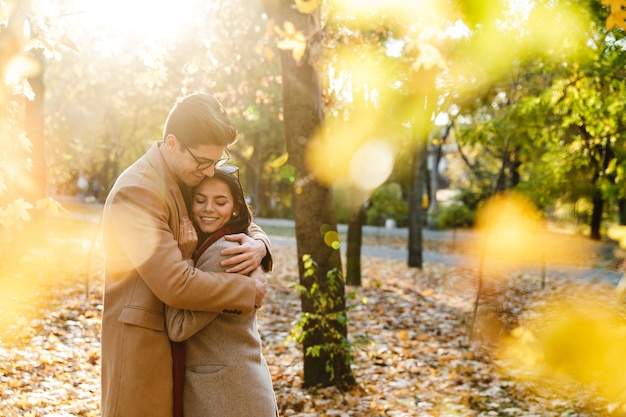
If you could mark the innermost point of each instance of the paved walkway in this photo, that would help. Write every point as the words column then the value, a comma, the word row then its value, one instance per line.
column 594, row 274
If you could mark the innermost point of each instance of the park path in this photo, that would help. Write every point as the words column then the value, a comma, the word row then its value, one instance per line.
column 600, row 272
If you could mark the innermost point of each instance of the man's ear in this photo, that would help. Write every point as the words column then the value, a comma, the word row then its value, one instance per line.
column 171, row 142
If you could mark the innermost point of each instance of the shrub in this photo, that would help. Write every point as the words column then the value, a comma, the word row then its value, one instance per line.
column 387, row 202
column 455, row 215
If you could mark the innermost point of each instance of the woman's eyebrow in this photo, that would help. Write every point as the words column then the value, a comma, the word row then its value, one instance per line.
column 198, row 194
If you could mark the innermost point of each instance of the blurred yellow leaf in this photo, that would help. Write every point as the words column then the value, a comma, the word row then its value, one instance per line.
column 428, row 58
column 278, row 162
column 15, row 214
column 574, row 341
column 291, row 40
column 50, row 204
column 617, row 15
column 269, row 53
column 618, row 233
column 306, row 6
column 69, row 43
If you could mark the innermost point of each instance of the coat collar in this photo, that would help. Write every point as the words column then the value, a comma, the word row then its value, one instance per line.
column 157, row 161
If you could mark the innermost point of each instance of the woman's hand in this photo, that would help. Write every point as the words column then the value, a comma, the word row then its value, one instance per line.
column 188, row 239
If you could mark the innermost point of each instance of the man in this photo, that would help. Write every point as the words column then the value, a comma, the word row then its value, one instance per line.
column 144, row 269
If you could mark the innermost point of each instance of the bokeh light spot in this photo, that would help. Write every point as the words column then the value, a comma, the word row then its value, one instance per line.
column 511, row 226
column 331, row 238
column 372, row 164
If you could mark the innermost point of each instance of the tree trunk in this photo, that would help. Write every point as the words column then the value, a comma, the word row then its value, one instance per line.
column 355, row 240
column 435, row 158
column 34, row 114
column 516, row 178
column 621, row 204
column 501, row 181
column 416, row 208
column 422, row 125
column 254, row 170
column 314, row 214
column 596, row 214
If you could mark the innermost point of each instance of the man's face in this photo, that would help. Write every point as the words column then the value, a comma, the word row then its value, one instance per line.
column 184, row 162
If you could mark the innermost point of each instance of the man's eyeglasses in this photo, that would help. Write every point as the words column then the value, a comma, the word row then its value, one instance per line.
column 208, row 163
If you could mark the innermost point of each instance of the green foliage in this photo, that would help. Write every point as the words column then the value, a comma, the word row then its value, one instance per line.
column 454, row 215
column 324, row 319
column 387, row 202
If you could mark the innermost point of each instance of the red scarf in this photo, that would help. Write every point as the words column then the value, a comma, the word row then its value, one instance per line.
column 210, row 240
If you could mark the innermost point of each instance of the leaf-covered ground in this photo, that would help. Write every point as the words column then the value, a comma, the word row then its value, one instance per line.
column 419, row 359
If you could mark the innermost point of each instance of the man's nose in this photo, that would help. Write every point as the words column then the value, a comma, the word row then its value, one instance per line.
column 208, row 172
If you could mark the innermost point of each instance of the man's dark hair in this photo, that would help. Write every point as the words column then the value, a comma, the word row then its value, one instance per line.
column 200, row 119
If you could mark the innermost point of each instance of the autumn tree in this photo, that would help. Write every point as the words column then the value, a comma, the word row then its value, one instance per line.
column 23, row 195
column 313, row 205
column 101, row 126
column 550, row 125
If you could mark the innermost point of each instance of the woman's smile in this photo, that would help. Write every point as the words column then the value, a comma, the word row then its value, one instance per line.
column 213, row 205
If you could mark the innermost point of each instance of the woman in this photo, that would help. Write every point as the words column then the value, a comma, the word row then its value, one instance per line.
column 225, row 372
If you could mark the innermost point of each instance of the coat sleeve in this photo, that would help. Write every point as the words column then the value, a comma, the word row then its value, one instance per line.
column 139, row 236
column 255, row 232
column 182, row 324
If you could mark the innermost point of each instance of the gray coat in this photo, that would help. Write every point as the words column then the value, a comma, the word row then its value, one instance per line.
column 225, row 373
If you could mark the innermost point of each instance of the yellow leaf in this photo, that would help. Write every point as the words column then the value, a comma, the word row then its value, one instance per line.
column 428, row 58
column 617, row 15
column 279, row 162
column 291, row 40
column 618, row 233
column 15, row 214
column 269, row 53
column 306, row 6
column 403, row 335
column 50, row 204
column 298, row 52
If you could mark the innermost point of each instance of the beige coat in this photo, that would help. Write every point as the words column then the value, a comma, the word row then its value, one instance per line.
column 143, row 270
column 225, row 371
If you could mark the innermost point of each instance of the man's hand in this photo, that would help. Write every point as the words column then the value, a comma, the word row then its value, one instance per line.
column 246, row 257
column 188, row 239
column 262, row 287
